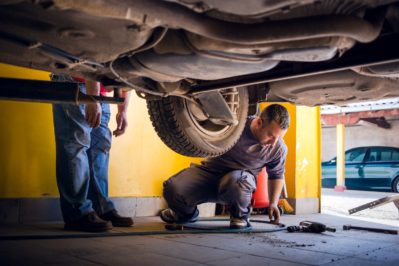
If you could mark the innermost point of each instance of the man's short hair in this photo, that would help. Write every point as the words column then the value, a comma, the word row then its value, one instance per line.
column 276, row 113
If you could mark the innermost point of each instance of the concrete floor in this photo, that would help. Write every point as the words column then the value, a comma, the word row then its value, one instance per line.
column 279, row 248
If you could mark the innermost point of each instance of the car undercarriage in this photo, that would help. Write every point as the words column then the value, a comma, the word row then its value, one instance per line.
column 202, row 66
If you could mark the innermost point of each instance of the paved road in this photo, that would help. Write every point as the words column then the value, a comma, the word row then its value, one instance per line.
column 338, row 203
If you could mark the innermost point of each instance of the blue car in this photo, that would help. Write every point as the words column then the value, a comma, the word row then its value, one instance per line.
column 366, row 168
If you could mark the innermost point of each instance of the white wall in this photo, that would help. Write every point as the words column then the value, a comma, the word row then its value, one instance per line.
column 364, row 134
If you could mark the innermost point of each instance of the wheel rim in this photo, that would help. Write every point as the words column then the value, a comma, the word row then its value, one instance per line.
column 397, row 186
column 206, row 126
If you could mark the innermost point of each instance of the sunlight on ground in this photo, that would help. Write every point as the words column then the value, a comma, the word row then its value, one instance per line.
column 338, row 204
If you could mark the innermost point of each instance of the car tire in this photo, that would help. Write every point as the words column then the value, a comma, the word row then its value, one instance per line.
column 175, row 123
column 395, row 185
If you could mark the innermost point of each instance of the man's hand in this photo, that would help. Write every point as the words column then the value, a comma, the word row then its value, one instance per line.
column 275, row 186
column 121, row 124
column 93, row 114
column 274, row 213
column 121, row 117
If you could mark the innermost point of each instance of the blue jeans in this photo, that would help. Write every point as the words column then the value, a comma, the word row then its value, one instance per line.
column 198, row 184
column 82, row 155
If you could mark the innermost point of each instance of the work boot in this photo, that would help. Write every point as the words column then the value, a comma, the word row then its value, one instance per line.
column 239, row 223
column 89, row 223
column 170, row 217
column 116, row 219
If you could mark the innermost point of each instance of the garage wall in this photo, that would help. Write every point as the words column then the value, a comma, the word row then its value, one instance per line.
column 139, row 160
column 27, row 162
column 364, row 134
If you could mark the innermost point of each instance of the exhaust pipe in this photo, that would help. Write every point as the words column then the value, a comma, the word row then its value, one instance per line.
column 153, row 13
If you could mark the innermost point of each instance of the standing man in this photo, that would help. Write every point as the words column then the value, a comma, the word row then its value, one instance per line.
column 83, row 141
column 231, row 177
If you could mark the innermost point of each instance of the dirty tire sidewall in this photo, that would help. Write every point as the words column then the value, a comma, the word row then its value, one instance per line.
column 175, row 126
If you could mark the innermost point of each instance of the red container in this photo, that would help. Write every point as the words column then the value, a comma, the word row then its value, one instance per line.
column 260, row 199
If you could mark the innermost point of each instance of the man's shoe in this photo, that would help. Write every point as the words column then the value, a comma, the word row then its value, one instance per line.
column 116, row 219
column 170, row 217
column 89, row 223
column 239, row 223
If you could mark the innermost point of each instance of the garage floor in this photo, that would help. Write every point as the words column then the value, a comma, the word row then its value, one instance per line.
column 279, row 248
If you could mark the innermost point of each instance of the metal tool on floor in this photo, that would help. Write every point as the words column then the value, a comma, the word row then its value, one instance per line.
column 377, row 203
column 310, row 227
column 371, row 229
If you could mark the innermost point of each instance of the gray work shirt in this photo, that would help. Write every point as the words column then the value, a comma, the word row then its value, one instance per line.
column 249, row 155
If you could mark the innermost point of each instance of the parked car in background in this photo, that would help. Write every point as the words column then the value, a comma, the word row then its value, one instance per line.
column 366, row 168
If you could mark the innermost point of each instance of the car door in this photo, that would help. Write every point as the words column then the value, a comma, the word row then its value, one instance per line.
column 329, row 173
column 380, row 168
column 353, row 167
column 354, row 163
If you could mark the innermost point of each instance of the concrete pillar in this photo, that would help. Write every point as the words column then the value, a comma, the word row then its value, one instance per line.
column 303, row 166
column 340, row 158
